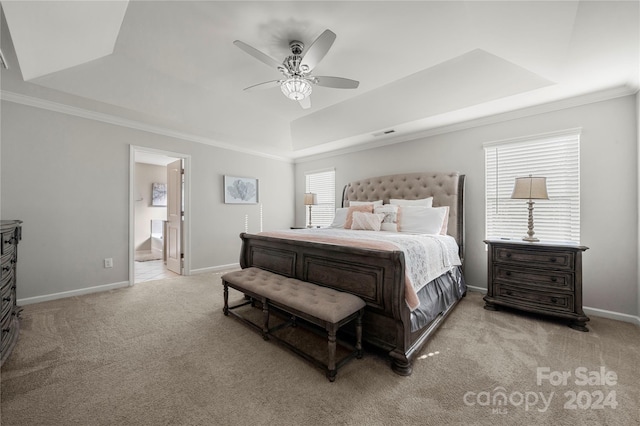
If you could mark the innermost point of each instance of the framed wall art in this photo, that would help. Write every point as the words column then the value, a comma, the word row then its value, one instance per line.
column 240, row 190
column 159, row 194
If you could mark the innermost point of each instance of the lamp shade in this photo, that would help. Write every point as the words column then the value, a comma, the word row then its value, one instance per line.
column 310, row 199
column 530, row 188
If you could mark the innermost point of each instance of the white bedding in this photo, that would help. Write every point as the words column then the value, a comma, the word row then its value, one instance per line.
column 426, row 256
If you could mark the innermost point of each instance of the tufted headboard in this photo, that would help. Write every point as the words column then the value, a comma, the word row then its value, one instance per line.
column 447, row 189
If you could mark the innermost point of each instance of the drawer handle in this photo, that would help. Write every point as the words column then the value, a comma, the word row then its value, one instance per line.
column 509, row 293
column 9, row 241
column 554, row 279
column 6, row 268
column 554, row 300
column 508, row 254
column 552, row 259
column 508, row 273
column 6, row 299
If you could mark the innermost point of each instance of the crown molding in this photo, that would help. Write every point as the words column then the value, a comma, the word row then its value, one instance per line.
column 557, row 105
column 123, row 122
column 332, row 149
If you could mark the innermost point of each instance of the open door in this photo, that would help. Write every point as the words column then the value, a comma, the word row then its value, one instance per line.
column 174, row 217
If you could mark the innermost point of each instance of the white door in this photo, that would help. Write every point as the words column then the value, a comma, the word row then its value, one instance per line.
column 174, row 217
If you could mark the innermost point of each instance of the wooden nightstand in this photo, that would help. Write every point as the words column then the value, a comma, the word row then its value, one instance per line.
column 544, row 278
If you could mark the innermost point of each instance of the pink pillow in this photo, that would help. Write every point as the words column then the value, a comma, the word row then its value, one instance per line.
column 445, row 221
column 365, row 208
column 367, row 221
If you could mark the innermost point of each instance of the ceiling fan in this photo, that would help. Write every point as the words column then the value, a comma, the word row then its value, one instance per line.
column 296, row 69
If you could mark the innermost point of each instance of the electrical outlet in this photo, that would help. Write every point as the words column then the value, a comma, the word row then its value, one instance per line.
column 108, row 263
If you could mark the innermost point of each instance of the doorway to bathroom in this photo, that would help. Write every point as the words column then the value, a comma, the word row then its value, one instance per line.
column 158, row 215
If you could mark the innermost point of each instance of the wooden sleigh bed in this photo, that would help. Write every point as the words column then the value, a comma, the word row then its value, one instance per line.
column 376, row 276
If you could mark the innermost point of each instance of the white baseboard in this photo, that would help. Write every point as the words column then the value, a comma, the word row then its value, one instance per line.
column 595, row 312
column 215, row 269
column 71, row 293
column 112, row 286
column 589, row 311
column 478, row 289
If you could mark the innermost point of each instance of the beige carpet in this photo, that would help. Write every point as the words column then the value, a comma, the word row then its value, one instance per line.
column 162, row 353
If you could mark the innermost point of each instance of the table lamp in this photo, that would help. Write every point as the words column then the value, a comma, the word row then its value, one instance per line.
column 310, row 199
column 530, row 188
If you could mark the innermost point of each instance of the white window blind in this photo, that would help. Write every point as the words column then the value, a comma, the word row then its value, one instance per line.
column 556, row 157
column 323, row 184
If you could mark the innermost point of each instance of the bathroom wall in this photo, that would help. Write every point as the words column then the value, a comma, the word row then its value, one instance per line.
column 146, row 175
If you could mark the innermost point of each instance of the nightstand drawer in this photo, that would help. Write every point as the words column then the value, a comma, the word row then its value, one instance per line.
column 545, row 258
column 533, row 278
column 536, row 299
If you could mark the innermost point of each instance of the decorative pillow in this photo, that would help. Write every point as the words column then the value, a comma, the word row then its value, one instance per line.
column 421, row 220
column 367, row 221
column 365, row 208
column 390, row 220
column 362, row 203
column 424, row 202
column 340, row 218
column 445, row 221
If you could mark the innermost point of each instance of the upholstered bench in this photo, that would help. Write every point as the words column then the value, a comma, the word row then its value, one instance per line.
column 322, row 306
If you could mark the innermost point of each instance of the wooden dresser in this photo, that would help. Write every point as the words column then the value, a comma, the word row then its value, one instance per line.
column 543, row 278
column 11, row 234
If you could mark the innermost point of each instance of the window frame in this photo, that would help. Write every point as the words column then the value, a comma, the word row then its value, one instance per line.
column 323, row 212
column 556, row 156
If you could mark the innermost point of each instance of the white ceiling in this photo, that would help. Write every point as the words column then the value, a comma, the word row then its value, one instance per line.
column 421, row 64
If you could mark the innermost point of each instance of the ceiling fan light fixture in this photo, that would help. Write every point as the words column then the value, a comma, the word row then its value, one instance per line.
column 296, row 88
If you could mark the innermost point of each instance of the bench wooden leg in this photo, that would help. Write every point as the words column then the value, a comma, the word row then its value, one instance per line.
column 225, row 310
column 359, row 334
column 331, row 365
column 265, row 319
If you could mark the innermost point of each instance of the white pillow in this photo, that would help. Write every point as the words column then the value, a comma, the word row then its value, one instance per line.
column 390, row 221
column 340, row 218
column 363, row 203
column 424, row 202
column 367, row 221
column 422, row 220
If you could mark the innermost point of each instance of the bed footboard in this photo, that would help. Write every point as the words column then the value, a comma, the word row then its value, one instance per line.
column 375, row 276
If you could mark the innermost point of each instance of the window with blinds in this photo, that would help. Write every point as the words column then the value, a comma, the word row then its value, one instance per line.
column 323, row 184
column 554, row 156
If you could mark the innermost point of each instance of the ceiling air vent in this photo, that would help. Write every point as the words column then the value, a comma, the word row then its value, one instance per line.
column 385, row 132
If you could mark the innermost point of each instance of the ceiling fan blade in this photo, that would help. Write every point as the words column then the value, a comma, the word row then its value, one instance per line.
column 265, row 85
column 305, row 103
column 257, row 54
column 336, row 82
column 317, row 50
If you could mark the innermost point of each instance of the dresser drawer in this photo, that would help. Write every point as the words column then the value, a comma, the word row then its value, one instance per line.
column 8, row 303
column 8, row 242
column 533, row 278
column 5, row 316
column 8, row 331
column 7, row 287
column 535, row 299
column 545, row 258
column 7, row 281
column 6, row 265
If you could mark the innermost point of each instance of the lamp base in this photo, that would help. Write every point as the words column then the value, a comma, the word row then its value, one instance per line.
column 530, row 239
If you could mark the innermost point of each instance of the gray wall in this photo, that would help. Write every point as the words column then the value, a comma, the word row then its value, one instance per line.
column 67, row 178
column 609, row 188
